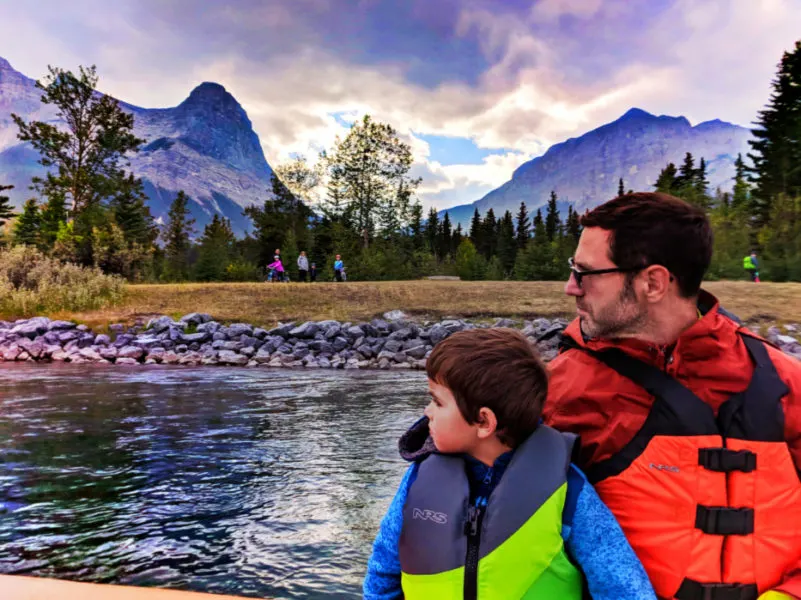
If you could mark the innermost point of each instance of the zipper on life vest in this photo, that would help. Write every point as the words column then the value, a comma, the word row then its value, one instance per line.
column 472, row 528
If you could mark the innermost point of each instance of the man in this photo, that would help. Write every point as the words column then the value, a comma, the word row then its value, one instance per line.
column 303, row 266
column 690, row 425
column 751, row 264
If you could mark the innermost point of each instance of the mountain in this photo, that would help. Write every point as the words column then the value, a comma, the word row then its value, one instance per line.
column 205, row 146
column 584, row 171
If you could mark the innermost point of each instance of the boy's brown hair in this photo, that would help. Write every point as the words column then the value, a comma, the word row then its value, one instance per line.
column 497, row 368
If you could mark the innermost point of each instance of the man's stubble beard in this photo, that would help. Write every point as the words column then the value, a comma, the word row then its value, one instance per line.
column 621, row 318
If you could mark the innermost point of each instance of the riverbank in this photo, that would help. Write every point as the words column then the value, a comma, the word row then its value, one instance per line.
column 395, row 341
column 266, row 305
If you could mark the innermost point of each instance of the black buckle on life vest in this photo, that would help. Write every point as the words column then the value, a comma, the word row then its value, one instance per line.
column 725, row 460
column 722, row 520
column 693, row 590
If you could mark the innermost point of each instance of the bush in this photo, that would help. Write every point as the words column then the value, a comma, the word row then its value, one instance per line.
column 32, row 283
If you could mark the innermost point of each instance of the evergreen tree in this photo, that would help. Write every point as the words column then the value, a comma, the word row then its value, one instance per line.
column 445, row 235
column 701, row 184
column 28, row 224
column 552, row 221
column 667, row 182
column 573, row 224
column 433, row 231
column 477, row 230
column 777, row 138
column 523, row 230
column 416, row 226
column 6, row 210
column 176, row 235
column 537, row 222
column 686, row 177
column 507, row 244
column 489, row 235
column 130, row 211
column 620, row 188
column 215, row 250
column 458, row 235
column 740, row 195
column 53, row 216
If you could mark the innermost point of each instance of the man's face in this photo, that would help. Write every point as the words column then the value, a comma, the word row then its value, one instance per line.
column 448, row 428
column 606, row 305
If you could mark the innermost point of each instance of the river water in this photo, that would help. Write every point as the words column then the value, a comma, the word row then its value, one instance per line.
column 257, row 482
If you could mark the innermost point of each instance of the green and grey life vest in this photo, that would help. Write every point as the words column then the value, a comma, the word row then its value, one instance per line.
column 508, row 547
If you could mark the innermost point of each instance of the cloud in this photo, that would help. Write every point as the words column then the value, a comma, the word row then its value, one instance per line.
column 510, row 75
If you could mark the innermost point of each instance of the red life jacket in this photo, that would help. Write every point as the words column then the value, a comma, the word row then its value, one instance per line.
column 710, row 503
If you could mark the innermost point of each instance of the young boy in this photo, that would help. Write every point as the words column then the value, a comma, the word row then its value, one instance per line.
column 491, row 506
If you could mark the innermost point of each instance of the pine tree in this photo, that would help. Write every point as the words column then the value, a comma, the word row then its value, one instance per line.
column 489, row 235
column 416, row 226
column 176, row 234
column 6, row 210
column 54, row 216
column 620, row 188
column 215, row 250
column 701, row 183
column 445, row 235
column 573, row 225
column 433, row 231
column 537, row 222
column 28, row 224
column 476, row 230
column 523, row 229
column 740, row 195
column 667, row 182
column 507, row 244
column 552, row 221
column 458, row 236
column 687, row 172
column 777, row 138
column 130, row 211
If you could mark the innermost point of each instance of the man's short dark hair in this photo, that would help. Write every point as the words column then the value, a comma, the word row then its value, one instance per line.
column 652, row 228
column 497, row 368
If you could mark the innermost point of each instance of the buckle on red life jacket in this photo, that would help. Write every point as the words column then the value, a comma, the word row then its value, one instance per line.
column 725, row 460
column 722, row 520
column 693, row 590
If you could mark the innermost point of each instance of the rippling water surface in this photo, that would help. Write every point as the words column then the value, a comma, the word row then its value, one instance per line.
column 243, row 481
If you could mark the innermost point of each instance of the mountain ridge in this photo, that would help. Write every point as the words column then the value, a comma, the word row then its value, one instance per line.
column 584, row 170
column 205, row 146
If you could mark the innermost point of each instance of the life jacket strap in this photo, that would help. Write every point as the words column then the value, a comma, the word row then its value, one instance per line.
column 694, row 590
column 722, row 520
column 725, row 460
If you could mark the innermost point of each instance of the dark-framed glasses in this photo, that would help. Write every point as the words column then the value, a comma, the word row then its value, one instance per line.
column 579, row 275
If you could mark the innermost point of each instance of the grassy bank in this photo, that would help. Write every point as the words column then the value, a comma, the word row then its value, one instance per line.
column 266, row 304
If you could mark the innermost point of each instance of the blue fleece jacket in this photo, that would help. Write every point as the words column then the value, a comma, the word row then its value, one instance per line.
column 593, row 539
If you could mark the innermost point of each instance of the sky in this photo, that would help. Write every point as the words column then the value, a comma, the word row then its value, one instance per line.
column 477, row 87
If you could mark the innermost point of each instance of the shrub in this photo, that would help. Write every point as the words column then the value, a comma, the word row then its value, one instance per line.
column 32, row 283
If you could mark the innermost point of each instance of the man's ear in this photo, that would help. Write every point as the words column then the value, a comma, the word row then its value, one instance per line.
column 487, row 422
column 656, row 282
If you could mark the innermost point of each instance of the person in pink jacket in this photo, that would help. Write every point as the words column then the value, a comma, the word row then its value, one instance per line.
column 275, row 270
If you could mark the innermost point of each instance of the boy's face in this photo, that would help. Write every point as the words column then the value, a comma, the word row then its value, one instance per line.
column 448, row 428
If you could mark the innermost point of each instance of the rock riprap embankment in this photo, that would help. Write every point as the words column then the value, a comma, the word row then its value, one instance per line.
column 393, row 342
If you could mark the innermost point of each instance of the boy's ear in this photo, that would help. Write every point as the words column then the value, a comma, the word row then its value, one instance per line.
column 487, row 422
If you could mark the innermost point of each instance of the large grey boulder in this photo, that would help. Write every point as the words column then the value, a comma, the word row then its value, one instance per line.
column 196, row 318
column 135, row 352
column 227, row 357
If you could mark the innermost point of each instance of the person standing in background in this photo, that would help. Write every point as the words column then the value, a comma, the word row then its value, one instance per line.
column 338, row 266
column 303, row 266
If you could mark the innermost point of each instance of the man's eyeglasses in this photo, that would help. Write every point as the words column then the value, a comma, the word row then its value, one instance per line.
column 579, row 275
